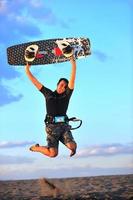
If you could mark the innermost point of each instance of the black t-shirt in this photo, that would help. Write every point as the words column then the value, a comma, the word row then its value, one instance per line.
column 56, row 104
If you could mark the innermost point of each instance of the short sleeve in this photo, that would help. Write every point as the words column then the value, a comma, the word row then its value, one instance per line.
column 45, row 91
column 69, row 92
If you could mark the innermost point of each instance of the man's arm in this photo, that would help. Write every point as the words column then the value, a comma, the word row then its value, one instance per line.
column 32, row 78
column 73, row 73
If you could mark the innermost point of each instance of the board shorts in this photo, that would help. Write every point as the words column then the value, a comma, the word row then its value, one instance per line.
column 58, row 132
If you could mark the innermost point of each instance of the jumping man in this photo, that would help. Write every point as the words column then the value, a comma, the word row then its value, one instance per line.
column 57, row 127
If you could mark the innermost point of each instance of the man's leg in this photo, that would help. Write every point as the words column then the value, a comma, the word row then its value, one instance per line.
column 51, row 149
column 48, row 151
column 68, row 140
column 72, row 146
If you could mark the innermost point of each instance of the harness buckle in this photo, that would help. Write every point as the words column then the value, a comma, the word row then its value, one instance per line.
column 57, row 119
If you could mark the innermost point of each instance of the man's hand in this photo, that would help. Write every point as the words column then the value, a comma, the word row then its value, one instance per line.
column 28, row 65
column 72, row 59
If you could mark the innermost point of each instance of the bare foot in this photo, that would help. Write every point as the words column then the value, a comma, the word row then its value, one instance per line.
column 34, row 147
column 72, row 152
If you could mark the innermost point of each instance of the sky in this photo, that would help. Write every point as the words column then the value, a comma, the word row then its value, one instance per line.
column 102, row 97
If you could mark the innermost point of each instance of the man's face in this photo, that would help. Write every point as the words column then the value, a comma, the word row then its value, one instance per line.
column 61, row 87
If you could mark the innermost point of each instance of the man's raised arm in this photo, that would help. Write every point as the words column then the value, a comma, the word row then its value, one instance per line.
column 73, row 73
column 32, row 78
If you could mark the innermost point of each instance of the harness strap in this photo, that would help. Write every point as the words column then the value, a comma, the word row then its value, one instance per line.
column 74, row 119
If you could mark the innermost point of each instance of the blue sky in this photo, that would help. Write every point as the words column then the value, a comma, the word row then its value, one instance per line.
column 102, row 97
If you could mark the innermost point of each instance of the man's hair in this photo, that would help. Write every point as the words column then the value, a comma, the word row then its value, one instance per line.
column 63, row 79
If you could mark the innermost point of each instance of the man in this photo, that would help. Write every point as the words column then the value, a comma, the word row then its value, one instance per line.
column 57, row 127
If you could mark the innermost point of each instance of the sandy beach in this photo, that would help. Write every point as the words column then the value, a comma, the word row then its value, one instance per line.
column 117, row 187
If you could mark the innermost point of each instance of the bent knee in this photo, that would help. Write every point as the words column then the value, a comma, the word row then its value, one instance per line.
column 71, row 145
column 53, row 153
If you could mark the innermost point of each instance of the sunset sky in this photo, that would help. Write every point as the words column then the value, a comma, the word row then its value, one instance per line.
column 102, row 97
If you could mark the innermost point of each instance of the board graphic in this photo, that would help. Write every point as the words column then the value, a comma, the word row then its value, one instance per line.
column 48, row 51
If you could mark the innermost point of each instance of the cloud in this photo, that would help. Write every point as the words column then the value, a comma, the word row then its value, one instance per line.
column 36, row 3
column 30, row 173
column 6, row 159
column 7, row 72
column 7, row 144
column 14, row 27
column 23, row 19
column 2, row 6
column 20, row 22
column 16, row 24
column 82, row 172
column 105, row 150
column 100, row 55
column 11, row 167
column 7, row 97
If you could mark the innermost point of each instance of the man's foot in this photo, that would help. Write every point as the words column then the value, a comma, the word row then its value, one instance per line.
column 34, row 147
column 72, row 152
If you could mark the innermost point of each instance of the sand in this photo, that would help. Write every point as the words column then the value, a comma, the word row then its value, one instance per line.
column 118, row 187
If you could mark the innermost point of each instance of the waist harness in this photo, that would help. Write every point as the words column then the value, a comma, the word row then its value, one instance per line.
column 62, row 119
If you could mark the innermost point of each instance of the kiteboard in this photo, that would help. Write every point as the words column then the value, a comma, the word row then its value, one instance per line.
column 48, row 51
